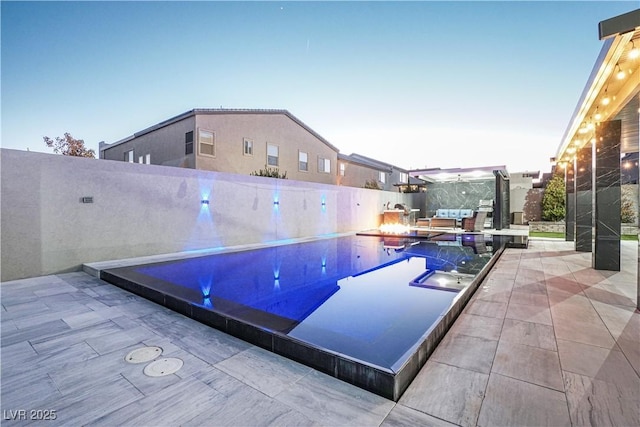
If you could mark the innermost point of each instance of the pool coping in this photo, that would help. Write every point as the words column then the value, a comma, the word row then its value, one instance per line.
column 388, row 383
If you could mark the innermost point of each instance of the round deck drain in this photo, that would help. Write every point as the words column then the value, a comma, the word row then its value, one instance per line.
column 162, row 367
column 143, row 355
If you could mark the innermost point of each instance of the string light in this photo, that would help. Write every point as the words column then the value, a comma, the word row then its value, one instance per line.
column 620, row 74
column 606, row 100
column 634, row 52
column 597, row 115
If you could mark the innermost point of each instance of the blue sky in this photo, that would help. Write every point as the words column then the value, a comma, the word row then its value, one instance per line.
column 416, row 84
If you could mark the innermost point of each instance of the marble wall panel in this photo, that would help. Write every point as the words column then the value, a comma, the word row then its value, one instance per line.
column 570, row 203
column 458, row 195
column 584, row 201
column 607, row 196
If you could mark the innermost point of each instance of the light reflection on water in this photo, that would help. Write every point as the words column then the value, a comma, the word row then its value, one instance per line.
column 352, row 295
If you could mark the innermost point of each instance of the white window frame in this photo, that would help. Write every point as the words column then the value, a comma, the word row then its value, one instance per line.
column 147, row 158
column 404, row 177
column 270, row 154
column 324, row 165
column 247, row 147
column 141, row 160
column 382, row 177
column 302, row 154
column 343, row 168
column 128, row 156
column 201, row 141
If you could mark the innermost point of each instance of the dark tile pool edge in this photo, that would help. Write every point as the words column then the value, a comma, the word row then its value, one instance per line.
column 388, row 383
column 374, row 379
column 423, row 350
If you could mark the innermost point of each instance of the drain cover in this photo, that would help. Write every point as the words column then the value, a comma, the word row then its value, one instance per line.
column 143, row 355
column 162, row 367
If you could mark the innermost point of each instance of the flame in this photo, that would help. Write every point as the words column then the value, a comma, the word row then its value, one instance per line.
column 395, row 228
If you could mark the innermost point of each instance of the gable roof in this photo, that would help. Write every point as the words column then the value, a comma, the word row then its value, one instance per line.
column 222, row 111
column 369, row 162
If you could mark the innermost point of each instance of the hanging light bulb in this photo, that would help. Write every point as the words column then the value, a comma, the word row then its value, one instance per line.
column 606, row 100
column 597, row 115
column 620, row 74
column 634, row 52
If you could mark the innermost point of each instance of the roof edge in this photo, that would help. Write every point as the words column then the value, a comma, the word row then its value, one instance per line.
column 212, row 111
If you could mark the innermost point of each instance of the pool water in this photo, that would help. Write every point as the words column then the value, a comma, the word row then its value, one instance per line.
column 363, row 298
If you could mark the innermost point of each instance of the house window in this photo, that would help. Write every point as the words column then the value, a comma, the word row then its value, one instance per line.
column 383, row 177
column 303, row 161
column 404, row 177
column 324, row 165
column 342, row 168
column 128, row 156
column 147, row 159
column 188, row 143
column 141, row 160
column 272, row 155
column 247, row 147
column 206, row 143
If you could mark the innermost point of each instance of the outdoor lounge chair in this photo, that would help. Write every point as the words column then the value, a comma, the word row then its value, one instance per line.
column 475, row 223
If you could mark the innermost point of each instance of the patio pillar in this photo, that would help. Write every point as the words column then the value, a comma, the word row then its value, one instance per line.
column 502, row 203
column 584, row 202
column 607, row 196
column 570, row 203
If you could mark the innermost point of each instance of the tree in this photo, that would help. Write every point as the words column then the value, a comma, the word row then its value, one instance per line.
column 553, row 200
column 69, row 146
column 372, row 185
column 627, row 214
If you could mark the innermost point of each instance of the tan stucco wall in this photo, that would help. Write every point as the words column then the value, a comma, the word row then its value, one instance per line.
column 356, row 175
column 166, row 146
column 277, row 129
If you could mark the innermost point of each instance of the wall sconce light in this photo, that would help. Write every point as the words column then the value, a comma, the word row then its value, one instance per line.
column 276, row 203
column 86, row 199
column 204, row 201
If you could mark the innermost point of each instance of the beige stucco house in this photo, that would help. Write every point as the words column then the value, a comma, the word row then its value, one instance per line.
column 235, row 141
column 355, row 170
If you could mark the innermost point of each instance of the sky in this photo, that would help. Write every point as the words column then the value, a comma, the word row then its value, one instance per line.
column 419, row 84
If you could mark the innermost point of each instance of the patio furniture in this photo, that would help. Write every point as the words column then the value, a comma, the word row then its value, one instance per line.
column 450, row 217
column 475, row 223
column 443, row 222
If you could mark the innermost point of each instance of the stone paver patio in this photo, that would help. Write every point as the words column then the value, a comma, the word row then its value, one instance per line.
column 546, row 340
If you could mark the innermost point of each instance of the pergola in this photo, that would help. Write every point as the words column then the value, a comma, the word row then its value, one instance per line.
column 604, row 127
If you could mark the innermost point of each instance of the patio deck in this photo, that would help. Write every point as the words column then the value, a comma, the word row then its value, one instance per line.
column 546, row 340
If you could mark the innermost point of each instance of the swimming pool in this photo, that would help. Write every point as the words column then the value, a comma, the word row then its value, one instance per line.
column 365, row 309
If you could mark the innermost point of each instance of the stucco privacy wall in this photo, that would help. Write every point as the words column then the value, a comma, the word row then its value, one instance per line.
column 142, row 210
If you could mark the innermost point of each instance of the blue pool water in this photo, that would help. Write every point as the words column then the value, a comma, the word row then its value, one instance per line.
column 369, row 298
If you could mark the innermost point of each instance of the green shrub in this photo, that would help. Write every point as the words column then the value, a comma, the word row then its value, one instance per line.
column 553, row 201
column 372, row 185
column 270, row 173
column 626, row 209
